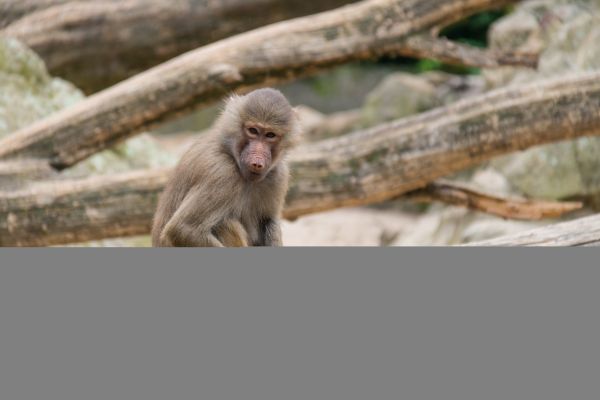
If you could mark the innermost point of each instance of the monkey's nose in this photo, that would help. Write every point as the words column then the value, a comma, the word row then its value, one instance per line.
column 257, row 166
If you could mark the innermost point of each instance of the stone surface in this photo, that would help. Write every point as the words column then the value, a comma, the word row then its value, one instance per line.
column 402, row 94
column 28, row 91
column 29, row 94
column 568, row 35
column 397, row 96
column 448, row 225
column 347, row 227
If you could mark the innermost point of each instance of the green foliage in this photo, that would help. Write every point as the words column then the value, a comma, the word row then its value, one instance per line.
column 426, row 65
column 473, row 30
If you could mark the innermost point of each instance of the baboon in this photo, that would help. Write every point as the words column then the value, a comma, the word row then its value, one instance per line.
column 229, row 187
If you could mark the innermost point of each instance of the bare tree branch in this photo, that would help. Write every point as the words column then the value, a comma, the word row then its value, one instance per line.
column 442, row 49
column 506, row 207
column 394, row 158
column 273, row 54
column 96, row 44
column 12, row 10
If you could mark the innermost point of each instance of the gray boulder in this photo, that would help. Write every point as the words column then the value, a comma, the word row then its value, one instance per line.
column 568, row 35
column 29, row 94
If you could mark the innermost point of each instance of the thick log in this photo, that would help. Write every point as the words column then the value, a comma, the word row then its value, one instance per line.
column 356, row 169
column 18, row 173
column 96, row 44
column 392, row 159
column 459, row 194
column 13, row 10
column 579, row 232
column 273, row 54
column 80, row 210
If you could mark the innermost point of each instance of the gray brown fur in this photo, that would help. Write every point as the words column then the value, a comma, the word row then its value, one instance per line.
column 208, row 202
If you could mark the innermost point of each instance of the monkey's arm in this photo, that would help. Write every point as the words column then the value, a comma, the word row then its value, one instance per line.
column 270, row 232
column 193, row 222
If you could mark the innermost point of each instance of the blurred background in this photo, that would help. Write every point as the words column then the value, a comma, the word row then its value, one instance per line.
column 41, row 74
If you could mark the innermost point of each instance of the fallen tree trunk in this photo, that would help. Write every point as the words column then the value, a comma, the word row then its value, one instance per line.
column 457, row 194
column 394, row 158
column 80, row 210
column 579, row 232
column 12, row 10
column 273, row 54
column 356, row 169
column 19, row 173
column 96, row 44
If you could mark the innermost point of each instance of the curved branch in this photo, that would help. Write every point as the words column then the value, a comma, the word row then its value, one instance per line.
column 273, row 54
column 506, row 207
column 13, row 10
column 96, row 44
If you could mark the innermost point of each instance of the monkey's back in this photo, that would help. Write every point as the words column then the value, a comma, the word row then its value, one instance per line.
column 186, row 174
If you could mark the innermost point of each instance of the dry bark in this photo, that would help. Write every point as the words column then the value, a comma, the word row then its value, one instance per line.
column 442, row 49
column 96, row 44
column 273, row 54
column 357, row 169
column 13, row 10
column 14, row 174
column 392, row 159
column 80, row 210
column 579, row 232
column 506, row 207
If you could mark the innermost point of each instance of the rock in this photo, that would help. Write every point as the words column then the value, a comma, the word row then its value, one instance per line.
column 554, row 171
column 29, row 94
column 346, row 227
column 342, row 88
column 448, row 225
column 539, row 27
column 402, row 94
column 397, row 96
column 567, row 33
column 139, row 152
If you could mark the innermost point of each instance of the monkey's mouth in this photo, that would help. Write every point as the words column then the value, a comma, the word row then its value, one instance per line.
column 254, row 176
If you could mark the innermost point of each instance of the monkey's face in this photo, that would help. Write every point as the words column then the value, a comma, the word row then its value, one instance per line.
column 263, row 128
column 258, row 149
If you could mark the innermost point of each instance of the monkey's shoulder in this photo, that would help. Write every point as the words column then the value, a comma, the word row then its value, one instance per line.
column 206, row 163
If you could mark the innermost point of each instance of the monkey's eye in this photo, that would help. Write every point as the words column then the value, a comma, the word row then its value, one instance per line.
column 270, row 135
column 253, row 131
